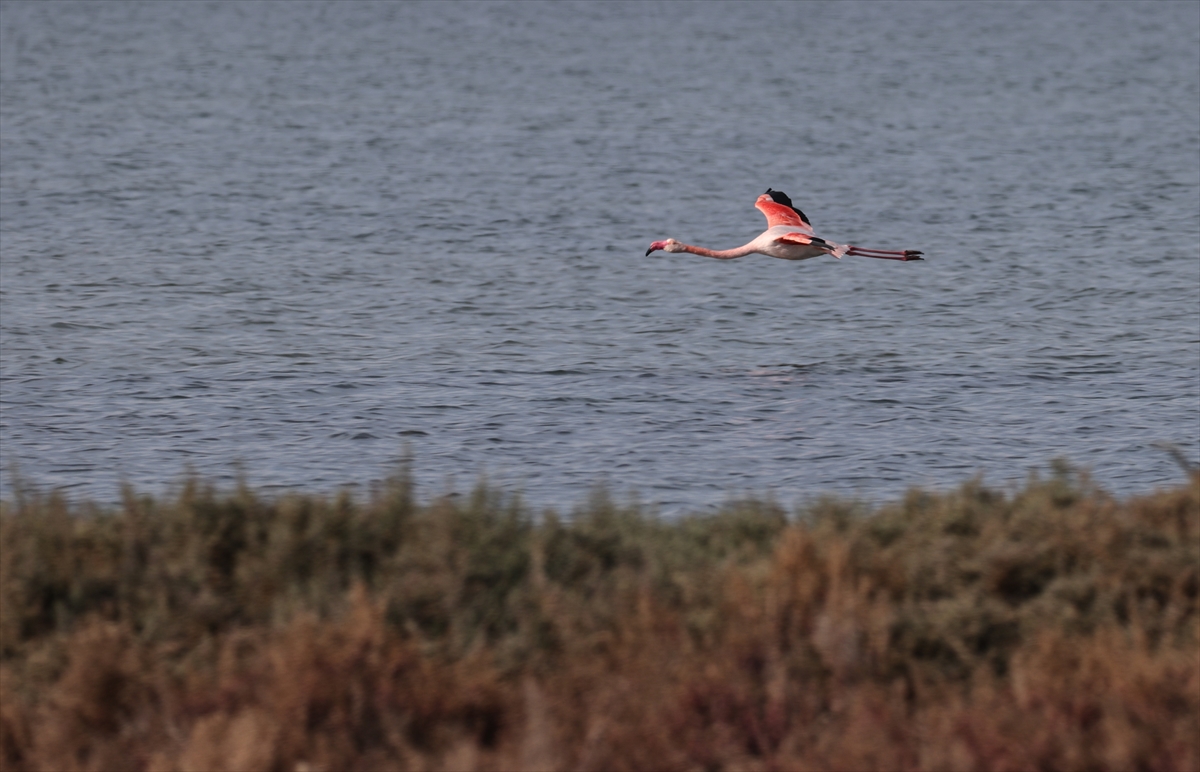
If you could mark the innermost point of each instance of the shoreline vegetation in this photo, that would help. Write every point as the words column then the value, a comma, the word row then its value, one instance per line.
column 1050, row 626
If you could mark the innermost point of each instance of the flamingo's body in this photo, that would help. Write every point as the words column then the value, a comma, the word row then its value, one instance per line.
column 788, row 236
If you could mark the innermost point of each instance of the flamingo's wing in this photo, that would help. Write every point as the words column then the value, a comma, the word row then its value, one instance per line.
column 804, row 237
column 778, row 214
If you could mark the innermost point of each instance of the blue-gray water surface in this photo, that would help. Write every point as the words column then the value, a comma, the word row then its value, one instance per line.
column 305, row 237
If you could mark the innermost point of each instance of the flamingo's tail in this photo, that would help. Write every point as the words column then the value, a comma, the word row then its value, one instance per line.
column 837, row 250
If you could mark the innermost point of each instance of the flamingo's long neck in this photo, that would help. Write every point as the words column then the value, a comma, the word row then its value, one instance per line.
column 720, row 254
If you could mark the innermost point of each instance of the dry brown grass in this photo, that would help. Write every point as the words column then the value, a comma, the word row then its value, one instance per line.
column 1051, row 627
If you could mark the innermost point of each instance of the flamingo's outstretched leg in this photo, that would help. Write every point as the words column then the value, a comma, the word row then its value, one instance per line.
column 886, row 254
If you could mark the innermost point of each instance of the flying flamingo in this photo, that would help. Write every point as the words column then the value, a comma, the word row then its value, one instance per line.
column 788, row 236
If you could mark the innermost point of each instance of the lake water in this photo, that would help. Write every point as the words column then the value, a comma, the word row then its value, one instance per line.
column 305, row 237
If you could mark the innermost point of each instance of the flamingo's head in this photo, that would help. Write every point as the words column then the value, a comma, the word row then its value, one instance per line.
column 670, row 245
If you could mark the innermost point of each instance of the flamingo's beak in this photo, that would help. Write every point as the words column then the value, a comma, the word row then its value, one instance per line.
column 654, row 247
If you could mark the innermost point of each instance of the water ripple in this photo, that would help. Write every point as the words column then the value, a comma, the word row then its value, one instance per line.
column 221, row 247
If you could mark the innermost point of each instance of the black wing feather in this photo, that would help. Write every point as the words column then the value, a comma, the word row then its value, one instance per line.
column 779, row 197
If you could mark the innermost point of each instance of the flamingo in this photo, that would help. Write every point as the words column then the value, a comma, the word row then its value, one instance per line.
column 788, row 236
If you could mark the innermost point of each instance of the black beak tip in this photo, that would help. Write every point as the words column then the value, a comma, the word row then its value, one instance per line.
column 648, row 251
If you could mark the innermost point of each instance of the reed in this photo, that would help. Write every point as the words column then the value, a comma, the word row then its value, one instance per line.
column 1047, row 627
